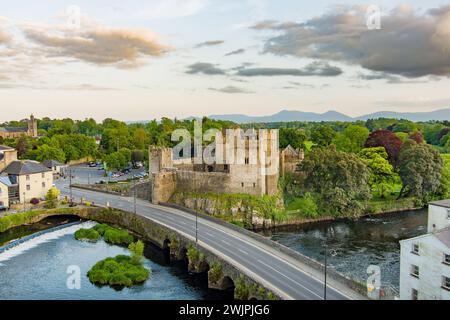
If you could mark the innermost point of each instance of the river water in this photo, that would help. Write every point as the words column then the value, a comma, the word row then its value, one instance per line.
column 356, row 244
column 37, row 269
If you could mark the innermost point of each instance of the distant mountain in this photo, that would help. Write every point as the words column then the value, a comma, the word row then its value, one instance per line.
column 286, row 116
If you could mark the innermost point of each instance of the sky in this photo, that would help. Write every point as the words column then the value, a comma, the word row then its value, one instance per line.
column 139, row 60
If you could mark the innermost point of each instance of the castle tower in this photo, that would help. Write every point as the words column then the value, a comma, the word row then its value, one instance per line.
column 32, row 127
column 160, row 158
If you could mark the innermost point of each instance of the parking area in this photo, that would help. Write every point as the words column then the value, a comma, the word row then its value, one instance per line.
column 84, row 174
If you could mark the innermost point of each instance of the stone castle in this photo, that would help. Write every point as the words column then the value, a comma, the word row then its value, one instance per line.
column 11, row 132
column 260, row 177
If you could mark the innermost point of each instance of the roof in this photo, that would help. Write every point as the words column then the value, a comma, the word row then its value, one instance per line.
column 25, row 167
column 12, row 129
column 5, row 181
column 3, row 148
column 441, row 203
column 444, row 236
column 52, row 163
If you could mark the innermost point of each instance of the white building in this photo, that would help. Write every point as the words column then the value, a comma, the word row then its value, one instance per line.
column 32, row 179
column 425, row 260
column 57, row 167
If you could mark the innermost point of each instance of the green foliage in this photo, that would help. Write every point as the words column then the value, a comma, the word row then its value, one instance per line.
column 137, row 251
column 215, row 272
column 87, row 234
column 52, row 198
column 304, row 206
column 323, row 135
column 338, row 179
column 119, row 271
column 352, row 139
column 420, row 170
column 444, row 189
column 291, row 136
column 113, row 235
column 45, row 152
column 241, row 290
column 194, row 255
column 382, row 176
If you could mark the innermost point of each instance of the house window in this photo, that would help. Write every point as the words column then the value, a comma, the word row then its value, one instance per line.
column 28, row 187
column 28, row 177
column 43, row 175
column 414, row 294
column 415, row 248
column 254, row 185
column 247, row 160
column 448, row 214
column 446, row 283
column 446, row 258
column 242, row 184
column 415, row 271
column 43, row 185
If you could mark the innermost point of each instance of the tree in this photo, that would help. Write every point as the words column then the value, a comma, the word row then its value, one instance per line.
column 45, row 152
column 339, row 179
column 352, row 139
column 137, row 156
column 323, row 136
column 22, row 146
column 137, row 251
column 417, row 136
column 420, row 170
column 140, row 138
column 387, row 140
column 52, row 198
column 382, row 175
column 292, row 136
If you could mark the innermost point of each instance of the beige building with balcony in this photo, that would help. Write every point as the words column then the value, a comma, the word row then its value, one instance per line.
column 30, row 180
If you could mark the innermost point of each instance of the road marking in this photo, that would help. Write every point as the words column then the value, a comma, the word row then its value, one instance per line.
column 244, row 252
column 226, row 242
column 209, row 234
column 282, row 274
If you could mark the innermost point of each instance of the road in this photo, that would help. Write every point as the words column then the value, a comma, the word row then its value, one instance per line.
column 275, row 270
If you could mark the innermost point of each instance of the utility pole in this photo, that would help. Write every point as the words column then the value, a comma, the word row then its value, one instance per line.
column 70, row 185
column 89, row 178
column 196, row 223
column 326, row 267
column 135, row 196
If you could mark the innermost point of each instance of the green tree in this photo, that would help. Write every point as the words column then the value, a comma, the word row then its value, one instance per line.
column 352, row 139
column 339, row 179
column 137, row 251
column 420, row 170
column 45, row 152
column 323, row 135
column 292, row 136
column 382, row 175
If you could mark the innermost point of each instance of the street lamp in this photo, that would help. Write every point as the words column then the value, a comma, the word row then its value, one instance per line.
column 24, row 203
column 196, row 222
column 70, row 185
column 326, row 267
column 134, row 182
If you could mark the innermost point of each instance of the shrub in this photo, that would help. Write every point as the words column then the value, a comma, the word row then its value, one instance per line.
column 118, row 271
column 87, row 235
column 118, row 236
column 137, row 251
column 34, row 201
column 215, row 272
column 241, row 290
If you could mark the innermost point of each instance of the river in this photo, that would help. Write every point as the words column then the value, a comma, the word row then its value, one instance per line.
column 356, row 244
column 37, row 268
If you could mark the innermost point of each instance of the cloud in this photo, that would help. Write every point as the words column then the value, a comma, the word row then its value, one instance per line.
column 321, row 69
column 390, row 78
column 210, row 43
column 231, row 89
column 414, row 102
column 98, row 45
column 170, row 9
column 4, row 37
column 238, row 51
column 205, row 68
column 410, row 43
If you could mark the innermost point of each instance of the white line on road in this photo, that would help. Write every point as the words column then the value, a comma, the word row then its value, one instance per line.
column 301, row 285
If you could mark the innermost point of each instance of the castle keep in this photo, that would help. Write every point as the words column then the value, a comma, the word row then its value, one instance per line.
column 255, row 174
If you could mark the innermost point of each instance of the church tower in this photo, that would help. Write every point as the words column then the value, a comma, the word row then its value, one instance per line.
column 32, row 127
